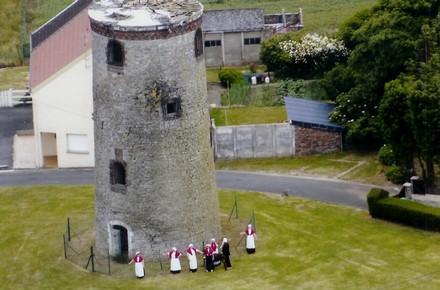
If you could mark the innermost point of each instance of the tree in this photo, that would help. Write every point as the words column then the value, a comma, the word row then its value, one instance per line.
column 382, row 41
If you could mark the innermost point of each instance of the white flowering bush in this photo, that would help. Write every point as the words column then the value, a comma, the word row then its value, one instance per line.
column 314, row 54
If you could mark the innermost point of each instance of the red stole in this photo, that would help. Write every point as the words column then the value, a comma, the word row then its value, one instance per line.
column 138, row 259
column 176, row 254
column 250, row 231
column 191, row 250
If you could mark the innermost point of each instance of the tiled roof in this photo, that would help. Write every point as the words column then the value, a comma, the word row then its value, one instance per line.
column 59, row 42
column 309, row 112
column 230, row 20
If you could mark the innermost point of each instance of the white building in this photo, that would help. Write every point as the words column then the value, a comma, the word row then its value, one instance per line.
column 61, row 86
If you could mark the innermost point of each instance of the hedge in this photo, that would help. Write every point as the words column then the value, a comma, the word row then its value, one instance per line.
column 403, row 211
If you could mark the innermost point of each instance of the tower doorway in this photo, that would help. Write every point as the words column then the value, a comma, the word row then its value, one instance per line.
column 119, row 244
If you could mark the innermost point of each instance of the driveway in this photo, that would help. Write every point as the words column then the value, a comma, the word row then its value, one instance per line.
column 326, row 190
column 11, row 120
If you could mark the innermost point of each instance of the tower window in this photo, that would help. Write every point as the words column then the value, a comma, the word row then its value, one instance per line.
column 198, row 42
column 118, row 176
column 115, row 53
column 172, row 108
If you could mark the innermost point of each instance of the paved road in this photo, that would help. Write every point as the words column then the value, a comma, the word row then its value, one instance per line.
column 331, row 191
column 11, row 120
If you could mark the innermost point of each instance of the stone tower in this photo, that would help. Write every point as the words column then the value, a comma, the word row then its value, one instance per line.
column 155, row 185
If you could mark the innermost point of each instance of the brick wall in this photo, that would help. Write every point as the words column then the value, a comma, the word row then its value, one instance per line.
column 313, row 140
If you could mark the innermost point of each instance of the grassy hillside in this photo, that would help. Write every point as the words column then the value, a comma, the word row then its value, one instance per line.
column 17, row 19
column 302, row 244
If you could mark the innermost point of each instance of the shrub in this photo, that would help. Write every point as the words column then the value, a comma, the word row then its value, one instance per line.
column 395, row 174
column 373, row 197
column 229, row 76
column 403, row 211
column 386, row 155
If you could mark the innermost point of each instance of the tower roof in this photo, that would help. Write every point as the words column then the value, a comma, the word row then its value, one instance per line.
column 145, row 15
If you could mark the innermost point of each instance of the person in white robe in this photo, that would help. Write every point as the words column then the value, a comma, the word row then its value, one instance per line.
column 174, row 257
column 250, row 239
column 139, row 267
column 191, row 253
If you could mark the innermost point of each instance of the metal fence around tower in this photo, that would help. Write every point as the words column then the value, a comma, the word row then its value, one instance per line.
column 79, row 247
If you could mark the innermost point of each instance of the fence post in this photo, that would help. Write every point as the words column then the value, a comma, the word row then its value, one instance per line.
column 160, row 260
column 68, row 229
column 236, row 206
column 93, row 258
column 64, row 244
column 109, row 264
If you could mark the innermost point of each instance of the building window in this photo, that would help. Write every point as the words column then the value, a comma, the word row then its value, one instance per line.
column 172, row 108
column 198, row 43
column 115, row 53
column 212, row 43
column 77, row 143
column 118, row 176
column 252, row 40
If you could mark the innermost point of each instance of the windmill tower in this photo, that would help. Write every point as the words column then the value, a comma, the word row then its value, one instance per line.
column 155, row 184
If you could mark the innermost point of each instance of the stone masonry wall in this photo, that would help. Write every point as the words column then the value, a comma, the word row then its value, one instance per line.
column 316, row 141
column 170, row 197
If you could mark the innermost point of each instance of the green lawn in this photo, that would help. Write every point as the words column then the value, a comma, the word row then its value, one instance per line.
column 319, row 16
column 248, row 115
column 328, row 165
column 14, row 77
column 302, row 244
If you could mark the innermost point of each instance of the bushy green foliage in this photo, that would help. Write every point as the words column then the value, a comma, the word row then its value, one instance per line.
column 403, row 211
column 383, row 41
column 396, row 174
column 386, row 155
column 230, row 76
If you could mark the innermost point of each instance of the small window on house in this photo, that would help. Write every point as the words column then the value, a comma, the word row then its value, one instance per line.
column 172, row 108
column 198, row 43
column 77, row 143
column 252, row 41
column 115, row 53
column 211, row 43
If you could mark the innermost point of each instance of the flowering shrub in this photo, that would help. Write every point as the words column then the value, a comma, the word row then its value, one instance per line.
column 314, row 54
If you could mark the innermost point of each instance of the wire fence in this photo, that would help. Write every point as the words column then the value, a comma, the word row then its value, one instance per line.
column 79, row 249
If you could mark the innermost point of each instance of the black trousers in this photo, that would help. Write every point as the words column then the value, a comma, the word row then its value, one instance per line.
column 209, row 263
column 227, row 261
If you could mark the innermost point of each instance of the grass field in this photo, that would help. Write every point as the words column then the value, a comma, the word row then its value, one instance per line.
column 14, row 29
column 14, row 77
column 301, row 244
column 365, row 166
column 248, row 115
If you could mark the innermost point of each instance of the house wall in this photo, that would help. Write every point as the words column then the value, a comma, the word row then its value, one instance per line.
column 232, row 47
column 214, row 55
column 251, row 53
column 24, row 151
column 316, row 141
column 63, row 105
column 254, row 141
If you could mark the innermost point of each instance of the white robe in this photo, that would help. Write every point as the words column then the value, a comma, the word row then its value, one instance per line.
column 192, row 258
column 139, row 269
column 175, row 263
column 250, row 241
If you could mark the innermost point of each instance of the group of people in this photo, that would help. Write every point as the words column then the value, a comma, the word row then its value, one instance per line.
column 212, row 253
